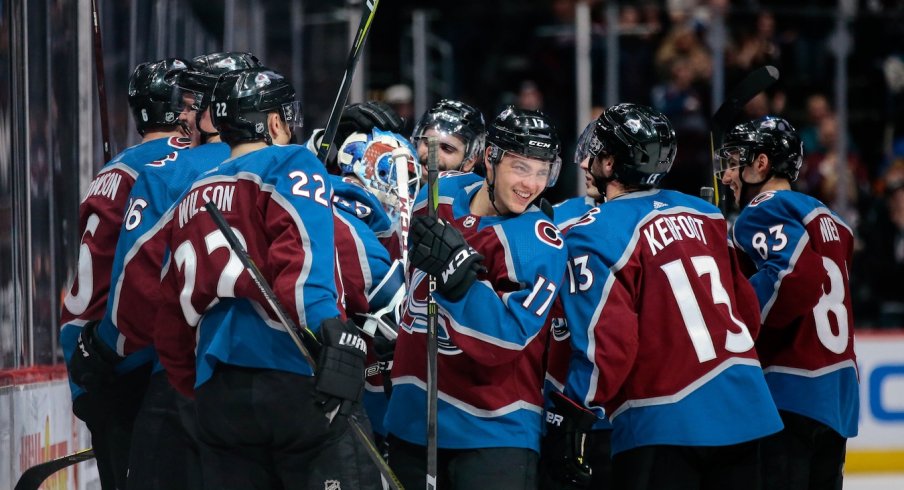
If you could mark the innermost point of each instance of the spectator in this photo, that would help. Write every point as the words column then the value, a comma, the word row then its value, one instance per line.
column 880, row 265
column 818, row 109
column 401, row 99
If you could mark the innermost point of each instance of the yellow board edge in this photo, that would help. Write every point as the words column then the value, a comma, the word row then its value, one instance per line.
column 874, row 461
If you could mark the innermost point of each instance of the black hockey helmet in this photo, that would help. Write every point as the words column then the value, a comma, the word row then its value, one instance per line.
column 201, row 76
column 773, row 136
column 243, row 99
column 455, row 118
column 152, row 89
column 641, row 140
column 527, row 133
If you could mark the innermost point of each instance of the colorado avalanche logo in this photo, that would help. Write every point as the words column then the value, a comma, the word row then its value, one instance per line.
column 469, row 222
column 261, row 80
column 559, row 329
column 762, row 198
column 179, row 65
column 548, row 233
column 226, row 63
column 633, row 125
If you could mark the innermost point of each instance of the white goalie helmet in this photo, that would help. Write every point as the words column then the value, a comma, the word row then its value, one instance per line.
column 369, row 156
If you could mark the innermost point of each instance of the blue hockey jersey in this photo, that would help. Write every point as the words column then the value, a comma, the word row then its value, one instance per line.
column 370, row 278
column 491, row 341
column 135, row 282
column 101, row 214
column 278, row 200
column 802, row 252
column 664, row 323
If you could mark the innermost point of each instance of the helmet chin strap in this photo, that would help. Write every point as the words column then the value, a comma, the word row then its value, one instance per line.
column 205, row 136
column 749, row 190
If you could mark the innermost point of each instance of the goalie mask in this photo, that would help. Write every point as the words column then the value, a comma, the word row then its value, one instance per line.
column 369, row 157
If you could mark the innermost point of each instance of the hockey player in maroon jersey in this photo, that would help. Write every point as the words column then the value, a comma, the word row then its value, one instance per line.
column 266, row 418
column 491, row 317
column 802, row 251
column 663, row 322
column 107, row 388
column 164, row 451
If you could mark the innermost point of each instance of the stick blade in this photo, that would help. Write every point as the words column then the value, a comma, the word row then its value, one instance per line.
column 33, row 477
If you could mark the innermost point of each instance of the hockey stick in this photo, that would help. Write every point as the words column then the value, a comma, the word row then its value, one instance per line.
column 303, row 337
column 755, row 82
column 332, row 124
column 101, row 85
column 400, row 161
column 33, row 477
column 432, row 341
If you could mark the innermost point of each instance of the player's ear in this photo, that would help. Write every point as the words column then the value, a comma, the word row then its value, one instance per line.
column 761, row 164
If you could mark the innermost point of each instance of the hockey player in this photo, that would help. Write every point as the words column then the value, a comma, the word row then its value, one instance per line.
column 107, row 389
column 663, row 322
column 372, row 275
column 461, row 131
column 266, row 419
column 564, row 465
column 164, row 451
column 491, row 317
column 802, row 252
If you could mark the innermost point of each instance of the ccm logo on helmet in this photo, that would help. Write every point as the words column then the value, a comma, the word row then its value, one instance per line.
column 540, row 144
column 548, row 233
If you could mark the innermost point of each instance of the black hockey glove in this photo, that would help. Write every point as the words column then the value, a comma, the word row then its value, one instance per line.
column 340, row 368
column 92, row 363
column 567, row 425
column 441, row 251
column 364, row 116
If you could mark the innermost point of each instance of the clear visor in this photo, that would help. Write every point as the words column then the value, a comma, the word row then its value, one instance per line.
column 549, row 173
column 452, row 132
column 291, row 114
column 184, row 99
column 730, row 158
column 583, row 149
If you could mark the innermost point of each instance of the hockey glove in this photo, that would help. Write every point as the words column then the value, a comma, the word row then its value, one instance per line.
column 441, row 251
column 567, row 425
column 365, row 116
column 340, row 368
column 92, row 363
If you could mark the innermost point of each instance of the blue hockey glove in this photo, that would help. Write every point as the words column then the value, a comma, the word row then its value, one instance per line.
column 340, row 368
column 92, row 363
column 440, row 250
column 567, row 425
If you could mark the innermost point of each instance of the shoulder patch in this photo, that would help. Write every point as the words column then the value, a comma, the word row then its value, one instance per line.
column 762, row 198
column 548, row 233
column 179, row 143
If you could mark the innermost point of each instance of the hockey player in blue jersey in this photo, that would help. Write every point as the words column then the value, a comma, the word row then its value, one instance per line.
column 461, row 133
column 563, row 464
column 107, row 389
column 662, row 322
column 266, row 419
column 164, row 451
column 373, row 277
column 491, row 317
column 802, row 251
